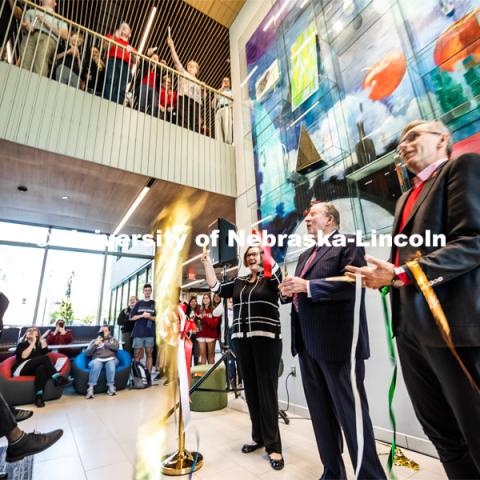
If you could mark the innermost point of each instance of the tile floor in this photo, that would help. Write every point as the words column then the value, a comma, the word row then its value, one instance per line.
column 100, row 438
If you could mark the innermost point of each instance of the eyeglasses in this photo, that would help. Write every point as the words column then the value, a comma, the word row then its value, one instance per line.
column 412, row 135
column 253, row 254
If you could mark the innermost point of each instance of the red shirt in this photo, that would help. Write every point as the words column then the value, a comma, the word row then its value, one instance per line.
column 60, row 339
column 168, row 99
column 149, row 79
column 209, row 325
column 118, row 52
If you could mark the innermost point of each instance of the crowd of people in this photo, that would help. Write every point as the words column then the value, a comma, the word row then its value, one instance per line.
column 114, row 70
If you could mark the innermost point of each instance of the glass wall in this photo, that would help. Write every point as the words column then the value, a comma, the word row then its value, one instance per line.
column 132, row 285
column 331, row 84
column 48, row 273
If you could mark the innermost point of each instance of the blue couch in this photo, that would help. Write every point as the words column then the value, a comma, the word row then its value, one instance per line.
column 80, row 372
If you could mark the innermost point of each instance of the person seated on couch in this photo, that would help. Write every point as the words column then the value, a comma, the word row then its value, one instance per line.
column 103, row 352
column 61, row 336
column 32, row 359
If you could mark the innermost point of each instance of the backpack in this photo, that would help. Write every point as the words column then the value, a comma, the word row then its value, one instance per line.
column 138, row 376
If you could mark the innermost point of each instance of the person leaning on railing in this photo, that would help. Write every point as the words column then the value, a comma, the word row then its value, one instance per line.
column 168, row 99
column 148, row 84
column 189, row 93
column 120, row 58
column 68, row 64
column 223, row 113
column 93, row 73
column 41, row 34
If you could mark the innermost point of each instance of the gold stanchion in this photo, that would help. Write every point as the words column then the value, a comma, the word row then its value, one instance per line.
column 181, row 462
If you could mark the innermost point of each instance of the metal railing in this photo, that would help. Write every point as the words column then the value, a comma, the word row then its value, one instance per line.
column 50, row 45
column 44, row 43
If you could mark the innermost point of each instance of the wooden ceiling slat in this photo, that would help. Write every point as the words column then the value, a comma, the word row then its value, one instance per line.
column 196, row 29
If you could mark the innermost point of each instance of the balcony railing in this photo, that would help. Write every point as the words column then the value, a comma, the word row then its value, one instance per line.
column 67, row 89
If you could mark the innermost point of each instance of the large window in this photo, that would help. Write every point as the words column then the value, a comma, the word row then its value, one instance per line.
column 71, row 288
column 20, row 269
column 49, row 273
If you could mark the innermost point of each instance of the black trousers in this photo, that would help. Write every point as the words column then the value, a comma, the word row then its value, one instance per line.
column 188, row 113
column 42, row 368
column 445, row 403
column 7, row 420
column 329, row 395
column 258, row 359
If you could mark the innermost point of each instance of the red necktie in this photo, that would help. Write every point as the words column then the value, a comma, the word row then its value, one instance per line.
column 309, row 261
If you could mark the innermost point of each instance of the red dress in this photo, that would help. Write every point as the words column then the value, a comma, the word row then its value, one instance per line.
column 209, row 325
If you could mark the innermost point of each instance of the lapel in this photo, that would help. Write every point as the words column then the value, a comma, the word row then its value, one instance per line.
column 399, row 209
column 423, row 194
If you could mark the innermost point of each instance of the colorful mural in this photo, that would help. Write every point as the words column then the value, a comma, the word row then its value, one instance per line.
column 331, row 85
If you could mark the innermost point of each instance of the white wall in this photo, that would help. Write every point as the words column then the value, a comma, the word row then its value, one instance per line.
column 378, row 368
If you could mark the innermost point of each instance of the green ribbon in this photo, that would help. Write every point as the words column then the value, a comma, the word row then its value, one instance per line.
column 391, row 391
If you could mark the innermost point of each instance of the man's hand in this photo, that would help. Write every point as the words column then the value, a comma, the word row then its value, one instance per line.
column 379, row 274
column 293, row 285
column 146, row 315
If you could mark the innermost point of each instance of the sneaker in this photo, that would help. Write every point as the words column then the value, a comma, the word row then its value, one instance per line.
column 20, row 414
column 30, row 444
column 39, row 402
column 111, row 390
column 90, row 393
column 61, row 381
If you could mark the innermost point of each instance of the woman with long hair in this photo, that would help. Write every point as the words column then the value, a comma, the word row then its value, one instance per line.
column 32, row 359
column 193, row 313
column 208, row 334
column 257, row 343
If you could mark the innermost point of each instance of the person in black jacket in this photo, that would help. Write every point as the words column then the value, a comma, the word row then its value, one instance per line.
column 257, row 339
column 126, row 325
column 445, row 199
column 322, row 334
column 32, row 359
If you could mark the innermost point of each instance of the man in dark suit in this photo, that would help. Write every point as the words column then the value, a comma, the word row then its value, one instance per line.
column 445, row 199
column 322, row 335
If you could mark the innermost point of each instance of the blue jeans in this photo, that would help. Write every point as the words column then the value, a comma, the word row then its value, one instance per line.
column 96, row 366
column 117, row 74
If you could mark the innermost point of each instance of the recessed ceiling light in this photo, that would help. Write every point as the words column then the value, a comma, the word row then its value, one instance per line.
column 65, row 197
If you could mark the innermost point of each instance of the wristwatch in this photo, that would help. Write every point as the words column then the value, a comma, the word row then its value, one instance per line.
column 396, row 281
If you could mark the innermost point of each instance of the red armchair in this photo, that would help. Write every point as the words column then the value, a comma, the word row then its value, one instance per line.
column 20, row 390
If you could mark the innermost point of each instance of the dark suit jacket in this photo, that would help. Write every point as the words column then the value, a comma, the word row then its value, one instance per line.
column 448, row 204
column 324, row 322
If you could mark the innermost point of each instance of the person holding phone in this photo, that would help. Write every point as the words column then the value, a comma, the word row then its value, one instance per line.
column 32, row 359
column 256, row 336
column 103, row 351
column 60, row 336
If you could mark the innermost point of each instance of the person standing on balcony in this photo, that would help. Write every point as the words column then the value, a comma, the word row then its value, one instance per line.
column 69, row 61
column 149, row 84
column 93, row 73
column 42, row 33
column 223, row 113
column 189, row 93
column 168, row 99
column 118, row 64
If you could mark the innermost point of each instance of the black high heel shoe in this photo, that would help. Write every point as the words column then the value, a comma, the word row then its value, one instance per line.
column 276, row 464
column 249, row 448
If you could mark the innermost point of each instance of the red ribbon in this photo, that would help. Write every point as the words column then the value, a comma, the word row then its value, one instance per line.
column 267, row 257
column 190, row 326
